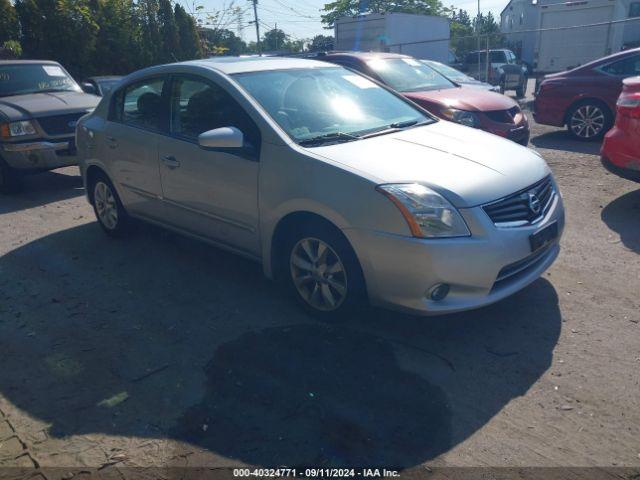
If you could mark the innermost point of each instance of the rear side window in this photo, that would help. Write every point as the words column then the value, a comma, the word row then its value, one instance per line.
column 197, row 105
column 626, row 67
column 141, row 105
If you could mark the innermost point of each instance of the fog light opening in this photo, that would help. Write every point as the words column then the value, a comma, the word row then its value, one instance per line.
column 438, row 292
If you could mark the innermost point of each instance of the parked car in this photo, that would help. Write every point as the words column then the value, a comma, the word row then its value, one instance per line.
column 100, row 85
column 40, row 105
column 584, row 98
column 422, row 84
column 504, row 70
column 621, row 146
column 338, row 186
column 460, row 78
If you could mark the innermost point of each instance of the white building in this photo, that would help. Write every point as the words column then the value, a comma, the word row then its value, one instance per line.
column 421, row 36
column 556, row 48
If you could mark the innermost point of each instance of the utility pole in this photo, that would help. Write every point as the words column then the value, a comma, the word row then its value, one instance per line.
column 255, row 16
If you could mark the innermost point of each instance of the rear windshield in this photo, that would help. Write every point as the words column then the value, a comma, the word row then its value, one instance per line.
column 494, row 57
column 447, row 71
column 408, row 74
column 35, row 78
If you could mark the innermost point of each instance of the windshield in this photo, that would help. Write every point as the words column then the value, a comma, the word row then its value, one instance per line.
column 496, row 56
column 408, row 74
column 34, row 78
column 332, row 104
column 449, row 72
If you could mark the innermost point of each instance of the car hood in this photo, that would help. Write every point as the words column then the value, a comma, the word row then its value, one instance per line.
column 470, row 99
column 21, row 107
column 468, row 166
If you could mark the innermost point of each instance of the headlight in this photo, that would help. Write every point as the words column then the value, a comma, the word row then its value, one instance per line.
column 17, row 129
column 469, row 119
column 428, row 213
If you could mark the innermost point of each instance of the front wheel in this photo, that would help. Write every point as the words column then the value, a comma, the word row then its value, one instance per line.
column 108, row 208
column 323, row 272
column 589, row 120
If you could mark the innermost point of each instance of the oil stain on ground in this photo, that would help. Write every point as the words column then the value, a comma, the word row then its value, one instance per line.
column 316, row 395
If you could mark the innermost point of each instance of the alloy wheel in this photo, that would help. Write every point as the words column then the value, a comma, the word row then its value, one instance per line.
column 106, row 205
column 587, row 121
column 318, row 274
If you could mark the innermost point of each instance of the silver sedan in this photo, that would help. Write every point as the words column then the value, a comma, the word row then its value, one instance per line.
column 338, row 186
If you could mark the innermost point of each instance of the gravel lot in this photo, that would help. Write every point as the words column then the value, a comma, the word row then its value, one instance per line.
column 160, row 351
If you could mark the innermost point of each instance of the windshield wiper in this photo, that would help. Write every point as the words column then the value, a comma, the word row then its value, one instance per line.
column 394, row 127
column 327, row 138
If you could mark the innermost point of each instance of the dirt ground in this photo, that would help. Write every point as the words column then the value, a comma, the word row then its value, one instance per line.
column 157, row 350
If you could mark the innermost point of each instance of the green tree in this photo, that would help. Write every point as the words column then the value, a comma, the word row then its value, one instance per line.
column 321, row 43
column 350, row 8
column 169, row 32
column 9, row 27
column 118, row 45
column 151, row 39
column 222, row 42
column 189, row 40
column 274, row 40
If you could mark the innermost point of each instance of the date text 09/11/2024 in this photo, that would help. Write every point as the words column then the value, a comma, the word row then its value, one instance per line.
column 315, row 472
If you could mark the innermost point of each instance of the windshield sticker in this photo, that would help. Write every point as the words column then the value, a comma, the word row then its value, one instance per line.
column 4, row 77
column 359, row 81
column 411, row 61
column 53, row 71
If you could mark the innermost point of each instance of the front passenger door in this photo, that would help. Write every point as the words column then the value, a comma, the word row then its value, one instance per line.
column 210, row 192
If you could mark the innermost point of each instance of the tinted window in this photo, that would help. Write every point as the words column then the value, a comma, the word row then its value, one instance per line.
column 198, row 105
column 627, row 67
column 140, row 105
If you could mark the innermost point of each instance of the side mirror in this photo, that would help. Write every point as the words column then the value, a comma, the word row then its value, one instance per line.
column 88, row 88
column 224, row 137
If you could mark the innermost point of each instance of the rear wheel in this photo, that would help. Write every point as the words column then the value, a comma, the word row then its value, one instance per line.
column 10, row 180
column 108, row 208
column 323, row 272
column 589, row 120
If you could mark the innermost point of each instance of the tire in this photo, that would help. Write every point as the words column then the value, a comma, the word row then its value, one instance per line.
column 108, row 208
column 10, row 180
column 521, row 91
column 601, row 120
column 322, row 271
column 503, row 86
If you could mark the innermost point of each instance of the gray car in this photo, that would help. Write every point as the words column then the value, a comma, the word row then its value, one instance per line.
column 338, row 186
column 504, row 70
column 40, row 105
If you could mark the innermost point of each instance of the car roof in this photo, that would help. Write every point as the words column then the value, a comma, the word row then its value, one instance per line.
column 28, row 62
column 231, row 65
column 366, row 55
column 105, row 77
column 597, row 62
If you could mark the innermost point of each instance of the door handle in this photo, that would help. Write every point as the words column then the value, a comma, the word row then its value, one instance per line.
column 170, row 161
column 113, row 143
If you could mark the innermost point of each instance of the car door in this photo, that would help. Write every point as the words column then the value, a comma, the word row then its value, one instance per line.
column 210, row 192
column 138, row 119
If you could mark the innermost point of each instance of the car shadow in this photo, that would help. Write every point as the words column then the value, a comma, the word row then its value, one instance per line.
column 41, row 189
column 158, row 336
column 561, row 140
column 622, row 215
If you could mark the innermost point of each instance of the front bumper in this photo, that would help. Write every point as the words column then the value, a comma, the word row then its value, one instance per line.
column 37, row 155
column 518, row 132
column 621, row 150
column 488, row 266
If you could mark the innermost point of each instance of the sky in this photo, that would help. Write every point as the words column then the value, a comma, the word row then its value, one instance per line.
column 301, row 19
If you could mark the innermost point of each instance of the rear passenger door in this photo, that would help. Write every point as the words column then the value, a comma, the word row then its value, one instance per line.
column 138, row 119
column 210, row 192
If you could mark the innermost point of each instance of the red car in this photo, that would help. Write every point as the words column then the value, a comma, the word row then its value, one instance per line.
column 489, row 111
column 584, row 99
column 621, row 147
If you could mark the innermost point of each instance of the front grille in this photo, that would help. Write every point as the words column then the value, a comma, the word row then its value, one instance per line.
column 503, row 116
column 519, row 209
column 59, row 124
